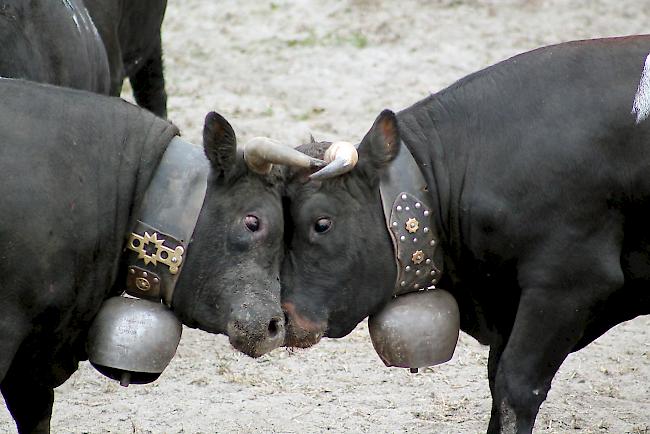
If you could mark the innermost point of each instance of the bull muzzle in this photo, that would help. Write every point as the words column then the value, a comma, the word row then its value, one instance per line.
column 255, row 333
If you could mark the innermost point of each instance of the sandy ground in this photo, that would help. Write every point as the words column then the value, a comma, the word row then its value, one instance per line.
column 286, row 68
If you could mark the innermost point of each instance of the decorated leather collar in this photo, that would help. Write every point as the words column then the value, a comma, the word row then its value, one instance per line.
column 408, row 211
column 166, row 219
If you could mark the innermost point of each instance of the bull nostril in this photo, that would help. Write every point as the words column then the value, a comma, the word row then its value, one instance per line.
column 274, row 327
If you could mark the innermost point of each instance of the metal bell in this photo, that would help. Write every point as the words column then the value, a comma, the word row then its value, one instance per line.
column 133, row 340
column 416, row 330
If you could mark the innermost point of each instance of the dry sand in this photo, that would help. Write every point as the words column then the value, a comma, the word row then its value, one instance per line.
column 288, row 68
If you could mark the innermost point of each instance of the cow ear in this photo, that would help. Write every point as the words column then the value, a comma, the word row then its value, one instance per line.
column 380, row 145
column 219, row 143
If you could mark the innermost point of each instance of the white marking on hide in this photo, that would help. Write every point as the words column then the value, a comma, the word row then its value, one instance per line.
column 641, row 106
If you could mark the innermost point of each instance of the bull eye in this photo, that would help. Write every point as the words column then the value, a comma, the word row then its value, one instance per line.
column 322, row 225
column 252, row 223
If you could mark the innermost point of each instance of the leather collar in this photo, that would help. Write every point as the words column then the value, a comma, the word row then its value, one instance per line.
column 408, row 212
column 155, row 250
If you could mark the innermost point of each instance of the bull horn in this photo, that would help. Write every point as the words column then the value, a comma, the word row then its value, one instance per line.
column 260, row 153
column 341, row 157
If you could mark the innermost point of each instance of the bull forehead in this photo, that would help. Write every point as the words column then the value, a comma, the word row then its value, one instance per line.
column 336, row 196
column 248, row 188
column 314, row 149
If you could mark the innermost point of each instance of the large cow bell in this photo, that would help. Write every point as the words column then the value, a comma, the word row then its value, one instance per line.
column 133, row 340
column 416, row 330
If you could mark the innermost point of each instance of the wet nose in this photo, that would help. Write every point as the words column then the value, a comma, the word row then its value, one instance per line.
column 254, row 333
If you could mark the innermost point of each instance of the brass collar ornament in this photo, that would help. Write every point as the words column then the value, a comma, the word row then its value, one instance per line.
column 408, row 212
column 166, row 221
column 163, row 254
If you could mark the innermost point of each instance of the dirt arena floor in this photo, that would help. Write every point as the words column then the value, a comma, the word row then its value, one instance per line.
column 288, row 68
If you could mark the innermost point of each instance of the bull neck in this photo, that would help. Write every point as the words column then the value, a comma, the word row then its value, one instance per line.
column 419, row 132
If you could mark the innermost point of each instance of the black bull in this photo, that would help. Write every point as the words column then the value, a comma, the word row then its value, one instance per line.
column 86, row 44
column 539, row 169
column 130, row 31
column 75, row 166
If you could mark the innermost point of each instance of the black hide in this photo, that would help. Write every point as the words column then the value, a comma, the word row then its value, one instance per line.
column 53, row 42
column 86, row 44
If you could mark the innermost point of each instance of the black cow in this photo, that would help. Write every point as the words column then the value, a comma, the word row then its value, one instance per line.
column 74, row 168
column 86, row 44
column 539, row 173
column 52, row 42
column 131, row 34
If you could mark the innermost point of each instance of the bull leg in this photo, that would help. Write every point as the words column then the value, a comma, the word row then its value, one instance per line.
column 115, row 64
column 561, row 294
column 29, row 403
column 496, row 350
column 148, row 83
column 547, row 328
column 14, row 330
column 539, row 343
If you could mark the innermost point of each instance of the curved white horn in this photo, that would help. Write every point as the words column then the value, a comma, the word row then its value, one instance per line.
column 260, row 153
column 341, row 157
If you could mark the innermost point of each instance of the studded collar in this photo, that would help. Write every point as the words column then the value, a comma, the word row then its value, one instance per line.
column 155, row 249
column 408, row 212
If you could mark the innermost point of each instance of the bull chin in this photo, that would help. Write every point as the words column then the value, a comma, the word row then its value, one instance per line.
column 297, row 338
column 253, row 345
column 338, row 332
column 251, row 350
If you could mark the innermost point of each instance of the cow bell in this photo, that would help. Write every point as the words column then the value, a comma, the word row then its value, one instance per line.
column 133, row 340
column 416, row 330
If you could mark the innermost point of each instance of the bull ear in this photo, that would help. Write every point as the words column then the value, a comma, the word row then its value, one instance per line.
column 380, row 145
column 219, row 143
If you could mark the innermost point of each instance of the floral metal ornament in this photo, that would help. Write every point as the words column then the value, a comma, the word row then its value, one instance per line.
column 162, row 254
column 417, row 257
column 412, row 225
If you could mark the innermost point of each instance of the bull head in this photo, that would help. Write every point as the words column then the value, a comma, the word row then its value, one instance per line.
column 208, row 244
column 342, row 266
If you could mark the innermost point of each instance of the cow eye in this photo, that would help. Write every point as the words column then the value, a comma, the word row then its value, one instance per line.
column 252, row 223
column 322, row 225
